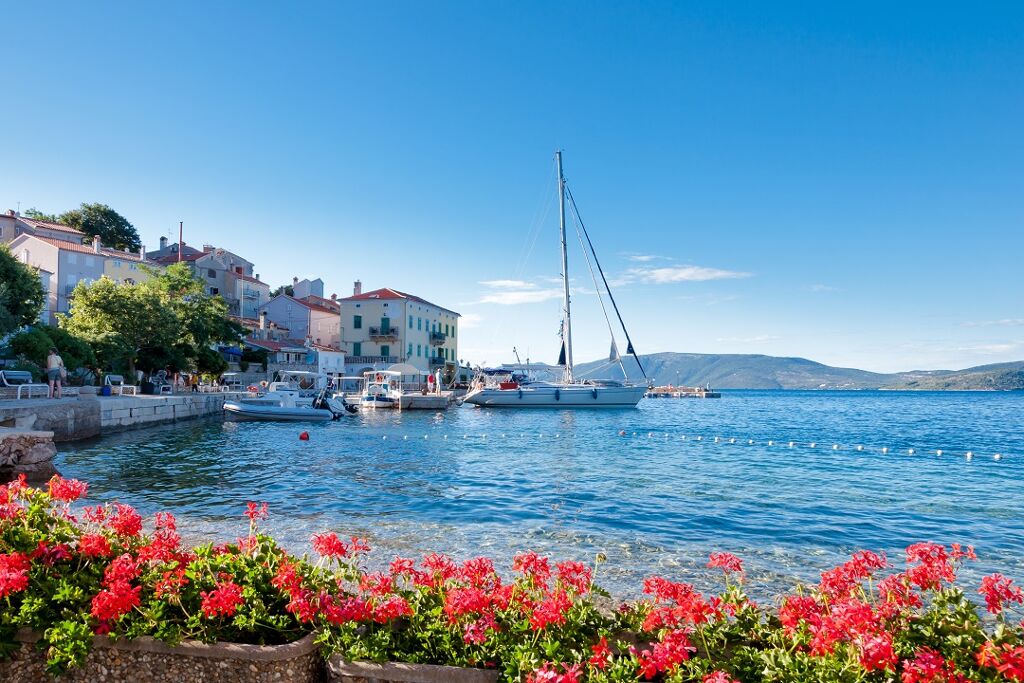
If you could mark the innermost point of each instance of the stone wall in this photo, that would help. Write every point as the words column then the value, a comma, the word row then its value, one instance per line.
column 69, row 419
column 26, row 452
column 145, row 660
column 131, row 412
column 341, row 671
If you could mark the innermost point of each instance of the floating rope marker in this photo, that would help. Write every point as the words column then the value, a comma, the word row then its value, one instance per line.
column 835, row 447
column 771, row 443
column 860, row 448
column 910, row 451
column 445, row 437
column 969, row 455
column 938, row 452
column 732, row 440
column 790, row 444
column 700, row 438
column 384, row 438
column 683, row 437
column 622, row 432
column 812, row 444
column 405, row 438
column 885, row 449
column 997, row 457
column 716, row 439
column 750, row 442
column 424, row 436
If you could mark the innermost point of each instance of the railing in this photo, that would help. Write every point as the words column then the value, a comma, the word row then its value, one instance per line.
column 437, row 361
column 250, row 293
column 438, row 338
column 373, row 359
column 383, row 333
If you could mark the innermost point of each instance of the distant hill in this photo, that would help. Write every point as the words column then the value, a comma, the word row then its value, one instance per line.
column 747, row 371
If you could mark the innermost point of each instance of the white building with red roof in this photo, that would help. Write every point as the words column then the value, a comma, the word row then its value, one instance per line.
column 385, row 327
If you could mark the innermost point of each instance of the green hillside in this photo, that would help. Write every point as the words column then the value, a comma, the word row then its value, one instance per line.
column 743, row 371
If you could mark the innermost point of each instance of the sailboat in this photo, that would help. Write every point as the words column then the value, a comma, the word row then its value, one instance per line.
column 571, row 392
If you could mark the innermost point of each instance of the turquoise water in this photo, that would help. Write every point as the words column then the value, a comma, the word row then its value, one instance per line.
column 471, row 480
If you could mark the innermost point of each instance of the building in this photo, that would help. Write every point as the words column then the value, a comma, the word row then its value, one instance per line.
column 386, row 326
column 223, row 273
column 13, row 224
column 313, row 317
column 298, row 354
column 69, row 262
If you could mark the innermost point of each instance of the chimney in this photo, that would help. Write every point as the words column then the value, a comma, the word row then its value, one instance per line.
column 295, row 281
column 163, row 243
column 207, row 248
column 142, row 251
column 257, row 276
column 11, row 212
column 263, row 320
column 334, row 297
column 96, row 243
column 357, row 288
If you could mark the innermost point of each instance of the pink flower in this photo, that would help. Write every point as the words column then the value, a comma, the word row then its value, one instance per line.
column 717, row 677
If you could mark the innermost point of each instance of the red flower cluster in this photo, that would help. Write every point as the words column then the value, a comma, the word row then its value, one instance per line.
column 1007, row 659
column 329, row 545
column 222, row 601
column 125, row 521
column 256, row 511
column 717, row 677
column 928, row 666
column 118, row 595
column 673, row 648
column 66, row 490
column 13, row 573
column 727, row 562
column 999, row 590
column 94, row 545
column 685, row 605
column 553, row 673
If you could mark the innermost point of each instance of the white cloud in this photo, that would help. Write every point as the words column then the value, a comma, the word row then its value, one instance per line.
column 670, row 274
column 991, row 349
column 523, row 296
column 470, row 320
column 823, row 288
column 646, row 258
column 1005, row 322
column 508, row 284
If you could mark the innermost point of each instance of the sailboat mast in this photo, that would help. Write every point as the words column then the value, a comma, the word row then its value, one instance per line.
column 566, row 324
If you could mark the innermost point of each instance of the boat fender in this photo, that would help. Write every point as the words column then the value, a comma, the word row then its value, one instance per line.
column 520, row 393
column 304, row 436
column 252, row 388
column 593, row 392
column 558, row 394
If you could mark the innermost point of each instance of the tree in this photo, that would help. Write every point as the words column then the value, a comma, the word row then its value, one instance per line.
column 283, row 289
column 120, row 321
column 99, row 219
column 40, row 216
column 35, row 344
column 21, row 293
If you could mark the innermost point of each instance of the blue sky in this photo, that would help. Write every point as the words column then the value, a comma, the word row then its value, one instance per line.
column 839, row 183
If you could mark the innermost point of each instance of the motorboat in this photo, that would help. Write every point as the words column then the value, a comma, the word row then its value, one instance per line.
column 381, row 389
column 494, row 391
column 282, row 406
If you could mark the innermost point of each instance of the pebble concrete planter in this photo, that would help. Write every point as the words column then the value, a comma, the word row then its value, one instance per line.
column 342, row 671
column 145, row 660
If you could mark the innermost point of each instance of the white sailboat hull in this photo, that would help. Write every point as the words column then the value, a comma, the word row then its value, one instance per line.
column 557, row 396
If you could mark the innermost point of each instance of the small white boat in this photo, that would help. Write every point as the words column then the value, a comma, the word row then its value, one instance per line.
column 382, row 389
column 281, row 405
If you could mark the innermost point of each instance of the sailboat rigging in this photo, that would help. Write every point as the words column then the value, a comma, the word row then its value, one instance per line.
column 571, row 392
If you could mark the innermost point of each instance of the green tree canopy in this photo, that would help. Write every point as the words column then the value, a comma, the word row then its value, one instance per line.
column 21, row 293
column 35, row 344
column 99, row 219
column 165, row 322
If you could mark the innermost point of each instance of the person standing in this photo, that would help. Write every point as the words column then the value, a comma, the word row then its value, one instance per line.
column 437, row 381
column 195, row 383
column 55, row 372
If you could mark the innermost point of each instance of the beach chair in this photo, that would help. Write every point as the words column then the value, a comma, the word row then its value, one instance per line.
column 117, row 385
column 21, row 381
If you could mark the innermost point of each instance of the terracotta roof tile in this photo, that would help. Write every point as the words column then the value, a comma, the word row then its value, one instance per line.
column 35, row 222
column 87, row 249
column 388, row 293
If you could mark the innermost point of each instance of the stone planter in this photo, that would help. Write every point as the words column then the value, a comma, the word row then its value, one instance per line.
column 145, row 660
column 398, row 672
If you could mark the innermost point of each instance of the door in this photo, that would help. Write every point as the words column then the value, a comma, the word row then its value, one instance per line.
column 385, row 325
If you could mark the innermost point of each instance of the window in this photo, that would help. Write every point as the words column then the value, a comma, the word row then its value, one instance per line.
column 418, row 351
column 89, row 261
column 357, row 348
column 214, row 290
column 72, row 257
column 446, row 328
column 117, row 264
column 133, row 266
column 357, row 323
column 410, row 317
column 409, row 352
column 419, row 324
column 385, row 351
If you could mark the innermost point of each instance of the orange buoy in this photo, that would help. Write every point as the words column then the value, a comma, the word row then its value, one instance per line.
column 304, row 436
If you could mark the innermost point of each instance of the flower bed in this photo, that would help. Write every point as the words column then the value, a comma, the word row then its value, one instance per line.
column 104, row 593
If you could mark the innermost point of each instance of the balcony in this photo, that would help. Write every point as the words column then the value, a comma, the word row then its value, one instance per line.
column 250, row 293
column 437, row 362
column 371, row 360
column 438, row 338
column 383, row 333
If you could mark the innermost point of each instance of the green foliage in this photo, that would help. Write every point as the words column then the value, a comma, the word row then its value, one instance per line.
column 283, row 289
column 210, row 362
column 254, row 356
column 34, row 344
column 21, row 293
column 99, row 219
column 119, row 320
column 40, row 216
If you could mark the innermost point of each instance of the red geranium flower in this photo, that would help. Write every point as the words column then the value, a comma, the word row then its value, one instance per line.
column 222, row 600
column 13, row 573
column 999, row 590
column 67, row 490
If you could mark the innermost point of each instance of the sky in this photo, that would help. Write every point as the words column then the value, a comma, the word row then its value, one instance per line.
column 841, row 182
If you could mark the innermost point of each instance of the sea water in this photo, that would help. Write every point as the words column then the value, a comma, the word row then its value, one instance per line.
column 655, row 488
